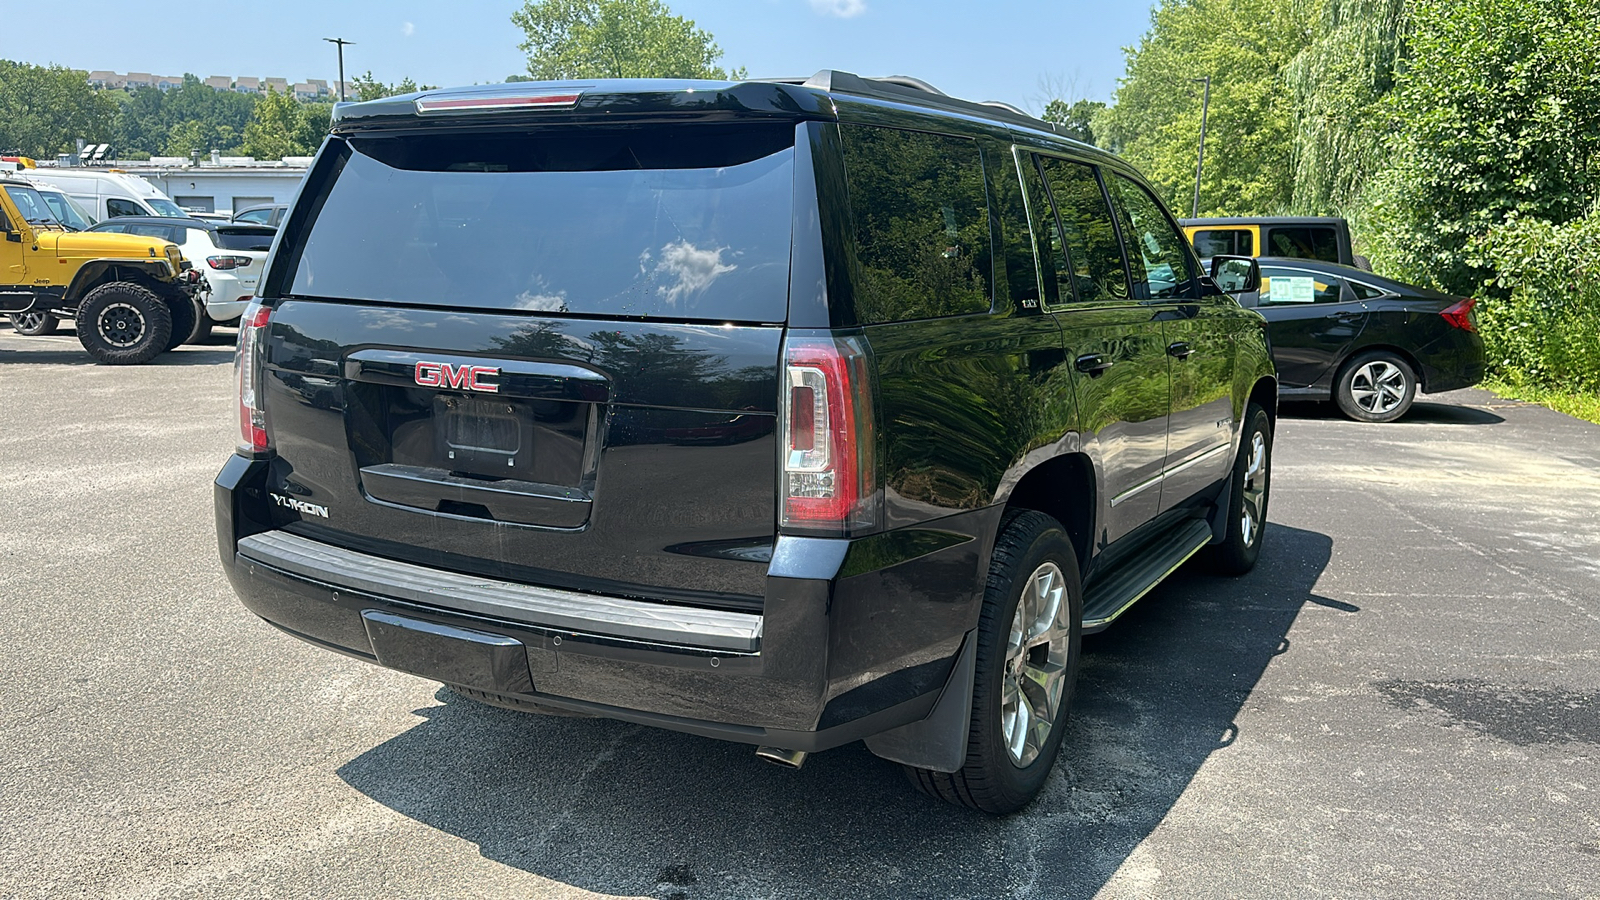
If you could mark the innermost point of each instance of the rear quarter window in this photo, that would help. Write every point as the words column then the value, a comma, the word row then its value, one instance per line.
column 1224, row 242
column 238, row 239
column 1303, row 242
column 920, row 212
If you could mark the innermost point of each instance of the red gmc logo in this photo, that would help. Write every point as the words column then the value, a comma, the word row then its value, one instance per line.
column 432, row 374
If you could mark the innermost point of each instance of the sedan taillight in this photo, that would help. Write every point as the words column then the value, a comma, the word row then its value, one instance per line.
column 249, row 367
column 1459, row 315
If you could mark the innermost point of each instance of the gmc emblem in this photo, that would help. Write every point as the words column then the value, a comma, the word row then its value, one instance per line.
column 432, row 374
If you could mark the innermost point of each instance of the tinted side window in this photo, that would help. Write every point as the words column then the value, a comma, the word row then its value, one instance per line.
column 116, row 208
column 1281, row 286
column 1157, row 253
column 258, row 216
column 1094, row 264
column 1224, row 242
column 1303, row 242
column 1365, row 291
column 921, row 217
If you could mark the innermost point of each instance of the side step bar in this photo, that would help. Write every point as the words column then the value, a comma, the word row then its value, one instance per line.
column 1110, row 597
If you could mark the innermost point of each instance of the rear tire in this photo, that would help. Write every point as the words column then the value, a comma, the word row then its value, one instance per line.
column 1027, row 667
column 34, row 324
column 1247, row 498
column 121, row 323
column 186, row 317
column 1375, row 387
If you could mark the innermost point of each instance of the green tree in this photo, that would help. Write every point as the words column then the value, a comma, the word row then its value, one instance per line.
column 275, row 128
column 615, row 39
column 1244, row 45
column 1075, row 120
column 1497, row 120
column 370, row 88
column 43, row 110
column 1339, row 83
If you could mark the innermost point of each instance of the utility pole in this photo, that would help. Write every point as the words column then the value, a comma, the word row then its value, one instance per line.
column 1199, row 166
column 340, row 42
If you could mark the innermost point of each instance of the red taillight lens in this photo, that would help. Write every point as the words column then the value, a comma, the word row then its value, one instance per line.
column 829, row 477
column 1459, row 315
column 228, row 262
column 248, row 369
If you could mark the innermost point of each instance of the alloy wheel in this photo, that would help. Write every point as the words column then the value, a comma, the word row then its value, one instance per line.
column 1378, row 387
column 1255, row 490
column 121, row 324
column 1036, row 663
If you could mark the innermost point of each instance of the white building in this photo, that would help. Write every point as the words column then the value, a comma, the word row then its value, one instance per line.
column 225, row 189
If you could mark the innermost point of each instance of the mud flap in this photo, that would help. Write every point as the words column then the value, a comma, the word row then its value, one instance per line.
column 1218, row 519
column 939, row 741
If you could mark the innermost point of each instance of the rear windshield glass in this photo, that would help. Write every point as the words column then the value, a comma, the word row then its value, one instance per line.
column 244, row 239
column 682, row 223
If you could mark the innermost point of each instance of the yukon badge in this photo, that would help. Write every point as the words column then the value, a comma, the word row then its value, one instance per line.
column 434, row 374
column 299, row 506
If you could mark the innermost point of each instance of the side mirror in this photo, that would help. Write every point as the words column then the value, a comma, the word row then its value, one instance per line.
column 1236, row 274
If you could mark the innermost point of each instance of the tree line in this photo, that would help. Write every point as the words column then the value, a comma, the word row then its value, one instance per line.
column 45, row 110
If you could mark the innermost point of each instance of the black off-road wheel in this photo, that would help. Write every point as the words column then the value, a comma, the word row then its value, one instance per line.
column 34, row 324
column 122, row 323
column 1375, row 387
column 1028, row 636
column 1246, row 509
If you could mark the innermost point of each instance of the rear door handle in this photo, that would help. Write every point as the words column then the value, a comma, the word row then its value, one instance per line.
column 1180, row 349
column 1093, row 364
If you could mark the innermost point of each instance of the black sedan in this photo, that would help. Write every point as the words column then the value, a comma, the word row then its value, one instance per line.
column 1368, row 343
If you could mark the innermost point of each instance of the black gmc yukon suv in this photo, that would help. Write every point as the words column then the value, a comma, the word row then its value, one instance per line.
column 791, row 412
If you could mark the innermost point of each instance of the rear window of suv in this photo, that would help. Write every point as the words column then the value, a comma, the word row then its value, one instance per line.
column 657, row 222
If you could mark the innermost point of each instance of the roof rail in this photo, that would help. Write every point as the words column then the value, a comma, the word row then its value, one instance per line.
column 905, row 89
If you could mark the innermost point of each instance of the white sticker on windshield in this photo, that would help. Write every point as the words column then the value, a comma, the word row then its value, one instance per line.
column 1282, row 289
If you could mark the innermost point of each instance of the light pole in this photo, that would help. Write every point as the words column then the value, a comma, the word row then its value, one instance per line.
column 1200, row 165
column 340, row 42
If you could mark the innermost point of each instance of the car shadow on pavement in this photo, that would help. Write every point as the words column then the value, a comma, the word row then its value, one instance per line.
column 1422, row 412
column 628, row 810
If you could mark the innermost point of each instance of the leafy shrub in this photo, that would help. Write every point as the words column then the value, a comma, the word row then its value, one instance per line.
column 1546, row 331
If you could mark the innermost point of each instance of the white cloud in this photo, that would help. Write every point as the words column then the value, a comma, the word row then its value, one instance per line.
column 693, row 268
column 844, row 9
column 556, row 302
column 408, row 29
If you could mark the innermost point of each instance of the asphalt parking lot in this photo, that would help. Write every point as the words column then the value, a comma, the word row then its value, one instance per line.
column 1403, row 700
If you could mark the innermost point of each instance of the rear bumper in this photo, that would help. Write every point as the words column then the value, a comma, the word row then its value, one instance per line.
column 839, row 651
column 1452, row 365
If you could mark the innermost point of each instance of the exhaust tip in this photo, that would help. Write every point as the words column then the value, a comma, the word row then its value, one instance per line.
column 788, row 759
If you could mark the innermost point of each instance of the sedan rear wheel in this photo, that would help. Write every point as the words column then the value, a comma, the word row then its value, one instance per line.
column 1376, row 387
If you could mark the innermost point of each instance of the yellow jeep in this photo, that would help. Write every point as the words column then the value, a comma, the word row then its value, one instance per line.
column 131, row 297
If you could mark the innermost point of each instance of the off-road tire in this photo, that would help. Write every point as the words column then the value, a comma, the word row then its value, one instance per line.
column 990, row 780
column 186, row 316
column 1367, row 391
column 201, row 333
column 34, row 324
column 141, row 320
column 1248, row 491
column 511, row 701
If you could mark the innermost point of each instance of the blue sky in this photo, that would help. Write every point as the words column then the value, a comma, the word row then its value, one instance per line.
column 994, row 50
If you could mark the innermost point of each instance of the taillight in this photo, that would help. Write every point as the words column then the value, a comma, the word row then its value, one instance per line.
column 248, row 369
column 229, row 262
column 828, row 472
column 1459, row 315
